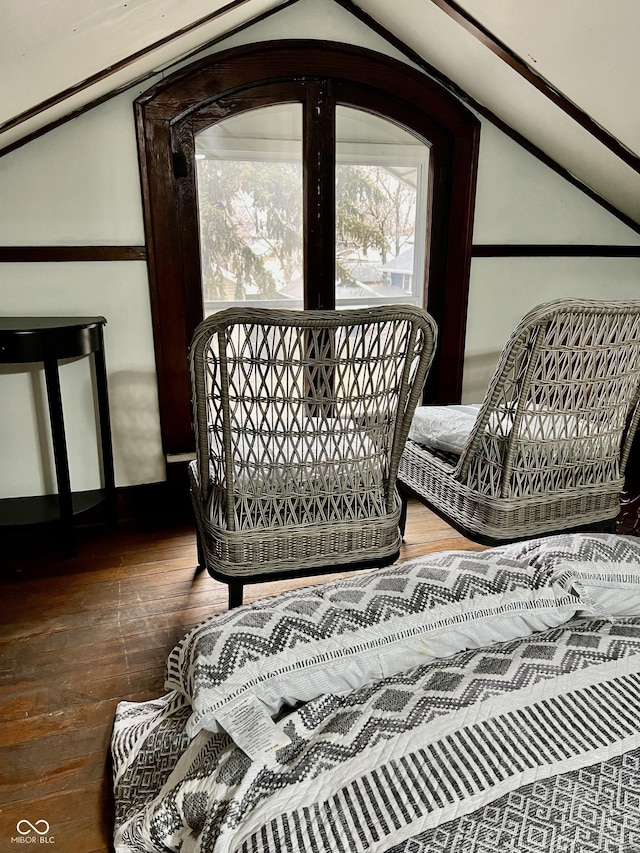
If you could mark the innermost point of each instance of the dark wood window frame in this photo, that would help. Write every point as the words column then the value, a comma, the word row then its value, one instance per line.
column 167, row 117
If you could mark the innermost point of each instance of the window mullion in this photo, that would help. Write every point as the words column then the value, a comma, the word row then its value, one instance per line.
column 319, row 153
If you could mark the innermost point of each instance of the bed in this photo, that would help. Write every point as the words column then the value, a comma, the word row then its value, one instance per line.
column 457, row 702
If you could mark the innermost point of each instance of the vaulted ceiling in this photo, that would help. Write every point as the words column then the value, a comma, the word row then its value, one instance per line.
column 563, row 74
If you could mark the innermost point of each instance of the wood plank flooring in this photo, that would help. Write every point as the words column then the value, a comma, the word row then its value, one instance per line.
column 77, row 636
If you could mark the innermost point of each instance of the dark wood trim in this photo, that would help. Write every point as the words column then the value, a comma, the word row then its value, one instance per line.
column 107, row 72
column 67, row 117
column 117, row 66
column 501, row 50
column 319, row 196
column 414, row 57
column 46, row 254
column 218, row 85
column 552, row 250
column 513, row 134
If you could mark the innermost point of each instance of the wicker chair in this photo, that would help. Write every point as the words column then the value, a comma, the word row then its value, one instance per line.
column 547, row 449
column 300, row 419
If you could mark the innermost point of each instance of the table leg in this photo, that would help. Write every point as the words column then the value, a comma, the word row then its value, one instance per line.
column 65, row 500
column 105, row 431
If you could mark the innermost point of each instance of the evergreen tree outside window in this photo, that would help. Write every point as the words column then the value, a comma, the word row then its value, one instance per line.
column 250, row 210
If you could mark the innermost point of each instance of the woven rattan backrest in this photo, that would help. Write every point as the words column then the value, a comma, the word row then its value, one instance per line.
column 561, row 409
column 304, row 414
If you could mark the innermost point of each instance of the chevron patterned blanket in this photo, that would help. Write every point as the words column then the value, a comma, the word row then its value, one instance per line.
column 523, row 744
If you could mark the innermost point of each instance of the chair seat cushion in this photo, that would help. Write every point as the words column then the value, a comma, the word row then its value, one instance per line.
column 320, row 458
column 443, row 428
column 447, row 428
column 321, row 470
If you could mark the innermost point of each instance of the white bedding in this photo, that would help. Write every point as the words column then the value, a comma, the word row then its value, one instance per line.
column 338, row 636
column 503, row 746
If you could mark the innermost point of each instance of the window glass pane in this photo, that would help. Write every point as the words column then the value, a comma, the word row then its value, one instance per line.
column 249, row 182
column 381, row 206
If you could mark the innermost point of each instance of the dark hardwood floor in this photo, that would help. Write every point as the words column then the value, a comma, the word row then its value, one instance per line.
column 78, row 635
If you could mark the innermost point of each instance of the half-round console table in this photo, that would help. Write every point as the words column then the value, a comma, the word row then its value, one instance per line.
column 25, row 340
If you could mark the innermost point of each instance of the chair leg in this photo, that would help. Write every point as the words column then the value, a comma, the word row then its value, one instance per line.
column 609, row 526
column 235, row 595
column 404, row 497
column 200, row 551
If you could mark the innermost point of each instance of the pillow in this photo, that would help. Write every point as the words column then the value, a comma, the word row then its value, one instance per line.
column 444, row 428
column 328, row 451
column 339, row 636
column 549, row 552
column 447, row 428
column 607, row 589
column 602, row 569
column 322, row 460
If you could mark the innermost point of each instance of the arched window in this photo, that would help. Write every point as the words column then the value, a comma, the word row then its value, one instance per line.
column 303, row 174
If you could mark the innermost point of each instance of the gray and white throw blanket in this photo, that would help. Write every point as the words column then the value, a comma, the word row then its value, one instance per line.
column 530, row 744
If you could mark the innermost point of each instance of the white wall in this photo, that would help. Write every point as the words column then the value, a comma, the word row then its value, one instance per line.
column 520, row 200
column 79, row 184
column 119, row 292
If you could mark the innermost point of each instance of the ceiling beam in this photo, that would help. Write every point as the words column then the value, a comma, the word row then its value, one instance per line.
column 503, row 52
column 105, row 73
column 485, row 112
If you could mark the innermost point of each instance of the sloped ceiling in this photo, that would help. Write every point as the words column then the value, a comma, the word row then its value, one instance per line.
column 440, row 31
column 523, row 62
column 587, row 49
column 56, row 57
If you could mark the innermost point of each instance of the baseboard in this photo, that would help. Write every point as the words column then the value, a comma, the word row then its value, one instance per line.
column 169, row 498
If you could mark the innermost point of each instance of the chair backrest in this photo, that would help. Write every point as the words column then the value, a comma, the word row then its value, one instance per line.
column 301, row 415
column 562, row 407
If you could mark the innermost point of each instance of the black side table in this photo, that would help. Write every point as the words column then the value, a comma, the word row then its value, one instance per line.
column 48, row 340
